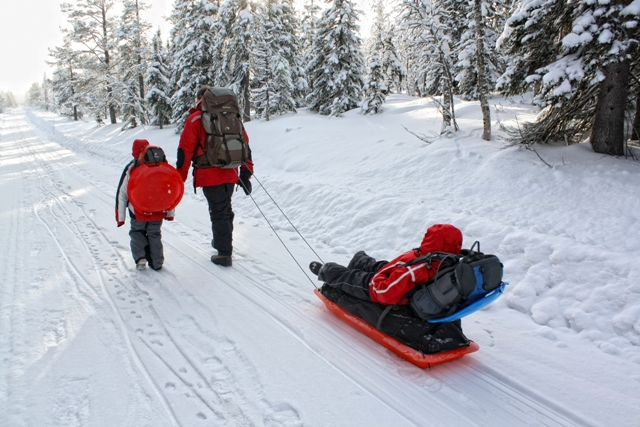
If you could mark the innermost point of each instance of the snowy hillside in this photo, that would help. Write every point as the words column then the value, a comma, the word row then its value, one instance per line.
column 86, row 340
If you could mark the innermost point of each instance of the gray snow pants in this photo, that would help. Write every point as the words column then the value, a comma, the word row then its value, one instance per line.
column 146, row 242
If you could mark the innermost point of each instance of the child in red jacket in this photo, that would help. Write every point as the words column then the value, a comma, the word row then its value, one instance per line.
column 388, row 282
column 145, row 233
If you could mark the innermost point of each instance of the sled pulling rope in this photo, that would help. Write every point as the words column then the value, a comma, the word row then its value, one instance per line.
column 475, row 277
column 276, row 233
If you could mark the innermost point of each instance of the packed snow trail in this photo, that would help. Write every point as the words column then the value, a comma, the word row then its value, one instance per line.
column 94, row 342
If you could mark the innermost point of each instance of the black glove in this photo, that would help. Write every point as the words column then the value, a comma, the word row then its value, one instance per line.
column 244, row 180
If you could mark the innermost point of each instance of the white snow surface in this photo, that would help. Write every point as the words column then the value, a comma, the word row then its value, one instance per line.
column 86, row 340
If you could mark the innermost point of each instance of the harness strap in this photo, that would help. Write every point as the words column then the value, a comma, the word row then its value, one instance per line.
column 382, row 316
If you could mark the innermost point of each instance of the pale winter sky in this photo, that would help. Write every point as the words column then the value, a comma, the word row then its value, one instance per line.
column 29, row 28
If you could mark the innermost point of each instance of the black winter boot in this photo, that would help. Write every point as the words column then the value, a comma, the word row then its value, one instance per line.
column 222, row 260
column 315, row 267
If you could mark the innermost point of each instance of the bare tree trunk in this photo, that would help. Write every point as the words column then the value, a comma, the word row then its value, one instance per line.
column 448, row 110
column 112, row 110
column 482, row 71
column 73, row 92
column 245, row 96
column 635, row 130
column 607, row 134
column 143, row 119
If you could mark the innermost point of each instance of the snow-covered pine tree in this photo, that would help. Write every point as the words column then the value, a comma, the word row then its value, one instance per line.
column 237, row 55
column 34, row 94
column 479, row 64
column 392, row 68
column 532, row 39
column 287, row 41
column 375, row 86
column 191, row 54
column 337, row 68
column 307, row 31
column 584, row 84
column 158, row 83
column 477, row 23
column 64, row 82
column 46, row 102
column 382, row 35
column 222, row 31
column 133, row 50
column 272, row 85
column 426, row 33
column 93, row 29
column 10, row 100
column 261, row 92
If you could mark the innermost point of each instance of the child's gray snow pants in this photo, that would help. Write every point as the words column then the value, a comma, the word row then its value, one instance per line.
column 146, row 242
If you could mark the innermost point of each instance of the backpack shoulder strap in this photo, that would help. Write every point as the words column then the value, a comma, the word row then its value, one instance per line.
column 434, row 256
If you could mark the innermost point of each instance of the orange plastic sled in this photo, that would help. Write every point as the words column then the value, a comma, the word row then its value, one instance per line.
column 155, row 188
column 412, row 355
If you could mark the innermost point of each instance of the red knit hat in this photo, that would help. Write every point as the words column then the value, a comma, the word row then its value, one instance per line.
column 138, row 146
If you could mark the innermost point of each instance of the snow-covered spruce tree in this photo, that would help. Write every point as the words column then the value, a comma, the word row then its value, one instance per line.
column 392, row 68
column 427, row 40
column 532, row 38
column 93, row 30
column 158, row 84
column 10, row 100
column 618, row 35
column 479, row 17
column 307, row 31
column 375, row 87
column 191, row 54
column 382, row 36
column 272, row 85
column 46, row 101
column 584, row 88
column 479, row 65
column 65, row 83
column 337, row 68
column 237, row 55
column 132, row 49
column 287, row 42
column 261, row 59
column 34, row 94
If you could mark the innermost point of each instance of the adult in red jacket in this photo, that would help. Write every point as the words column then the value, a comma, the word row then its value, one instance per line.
column 217, row 184
column 388, row 282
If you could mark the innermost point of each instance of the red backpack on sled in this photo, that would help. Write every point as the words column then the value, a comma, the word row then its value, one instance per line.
column 154, row 185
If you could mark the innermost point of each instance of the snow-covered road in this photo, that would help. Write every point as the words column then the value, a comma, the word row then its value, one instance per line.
column 85, row 340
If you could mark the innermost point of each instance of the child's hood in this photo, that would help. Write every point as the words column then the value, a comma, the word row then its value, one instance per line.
column 138, row 146
column 442, row 238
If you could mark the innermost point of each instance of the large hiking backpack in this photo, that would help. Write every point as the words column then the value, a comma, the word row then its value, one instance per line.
column 225, row 145
column 154, row 185
column 460, row 281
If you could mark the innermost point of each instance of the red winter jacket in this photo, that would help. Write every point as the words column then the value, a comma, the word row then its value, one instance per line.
column 192, row 139
column 394, row 280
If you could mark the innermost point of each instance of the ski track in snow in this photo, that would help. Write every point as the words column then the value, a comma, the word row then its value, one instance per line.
column 166, row 348
column 149, row 342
